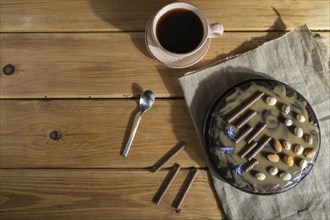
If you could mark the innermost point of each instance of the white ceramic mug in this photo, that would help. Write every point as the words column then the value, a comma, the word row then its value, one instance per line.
column 209, row 31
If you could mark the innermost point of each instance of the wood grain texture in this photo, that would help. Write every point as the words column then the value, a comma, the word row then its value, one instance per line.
column 95, row 49
column 101, row 65
column 115, row 15
column 100, row 194
column 93, row 133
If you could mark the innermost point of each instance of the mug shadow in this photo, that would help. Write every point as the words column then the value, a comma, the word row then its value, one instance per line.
column 276, row 30
column 232, row 75
column 136, row 13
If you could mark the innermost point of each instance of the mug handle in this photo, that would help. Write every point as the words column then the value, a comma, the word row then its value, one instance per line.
column 215, row 30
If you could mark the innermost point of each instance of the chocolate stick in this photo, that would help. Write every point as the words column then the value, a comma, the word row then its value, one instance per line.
column 244, row 133
column 256, row 132
column 256, row 150
column 239, row 111
column 189, row 181
column 247, row 118
column 168, row 156
column 249, row 165
column 248, row 149
column 166, row 184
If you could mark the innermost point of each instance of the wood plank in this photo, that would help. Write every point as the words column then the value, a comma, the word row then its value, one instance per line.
column 93, row 134
column 101, row 65
column 114, row 15
column 100, row 194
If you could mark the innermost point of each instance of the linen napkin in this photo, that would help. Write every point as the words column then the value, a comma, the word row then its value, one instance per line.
column 299, row 59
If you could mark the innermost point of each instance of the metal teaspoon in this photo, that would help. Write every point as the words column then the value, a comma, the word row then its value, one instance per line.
column 146, row 101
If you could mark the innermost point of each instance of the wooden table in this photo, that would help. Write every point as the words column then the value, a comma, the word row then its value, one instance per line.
column 69, row 105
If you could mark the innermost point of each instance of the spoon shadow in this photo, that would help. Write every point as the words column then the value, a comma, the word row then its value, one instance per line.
column 136, row 89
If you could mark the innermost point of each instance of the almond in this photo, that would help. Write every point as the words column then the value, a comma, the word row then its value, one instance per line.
column 286, row 109
column 288, row 122
column 301, row 118
column 303, row 164
column 298, row 149
column 271, row 100
column 277, row 145
column 308, row 138
column 288, row 160
column 260, row 176
column 309, row 153
column 273, row 171
column 285, row 176
column 286, row 145
column 273, row 157
column 299, row 132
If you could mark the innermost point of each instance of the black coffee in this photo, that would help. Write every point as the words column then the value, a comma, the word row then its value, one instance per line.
column 179, row 31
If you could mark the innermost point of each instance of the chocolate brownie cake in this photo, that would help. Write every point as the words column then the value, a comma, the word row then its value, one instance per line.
column 262, row 136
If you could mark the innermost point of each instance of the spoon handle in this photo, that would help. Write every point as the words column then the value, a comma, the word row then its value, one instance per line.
column 130, row 140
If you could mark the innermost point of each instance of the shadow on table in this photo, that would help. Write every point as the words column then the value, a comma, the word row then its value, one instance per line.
column 128, row 16
column 231, row 74
column 170, row 76
column 211, row 87
column 275, row 31
column 118, row 14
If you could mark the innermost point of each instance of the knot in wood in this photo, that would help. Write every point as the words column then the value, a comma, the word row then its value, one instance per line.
column 55, row 135
column 8, row 69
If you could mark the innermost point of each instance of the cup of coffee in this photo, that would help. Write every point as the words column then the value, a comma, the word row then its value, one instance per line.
column 179, row 35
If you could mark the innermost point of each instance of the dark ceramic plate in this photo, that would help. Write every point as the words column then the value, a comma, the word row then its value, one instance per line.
column 209, row 141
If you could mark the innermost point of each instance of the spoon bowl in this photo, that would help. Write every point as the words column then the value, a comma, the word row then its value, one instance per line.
column 147, row 99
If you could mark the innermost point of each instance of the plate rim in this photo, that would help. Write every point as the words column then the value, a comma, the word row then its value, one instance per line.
column 208, row 118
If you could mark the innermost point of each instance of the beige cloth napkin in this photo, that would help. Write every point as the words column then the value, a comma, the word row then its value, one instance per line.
column 300, row 60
